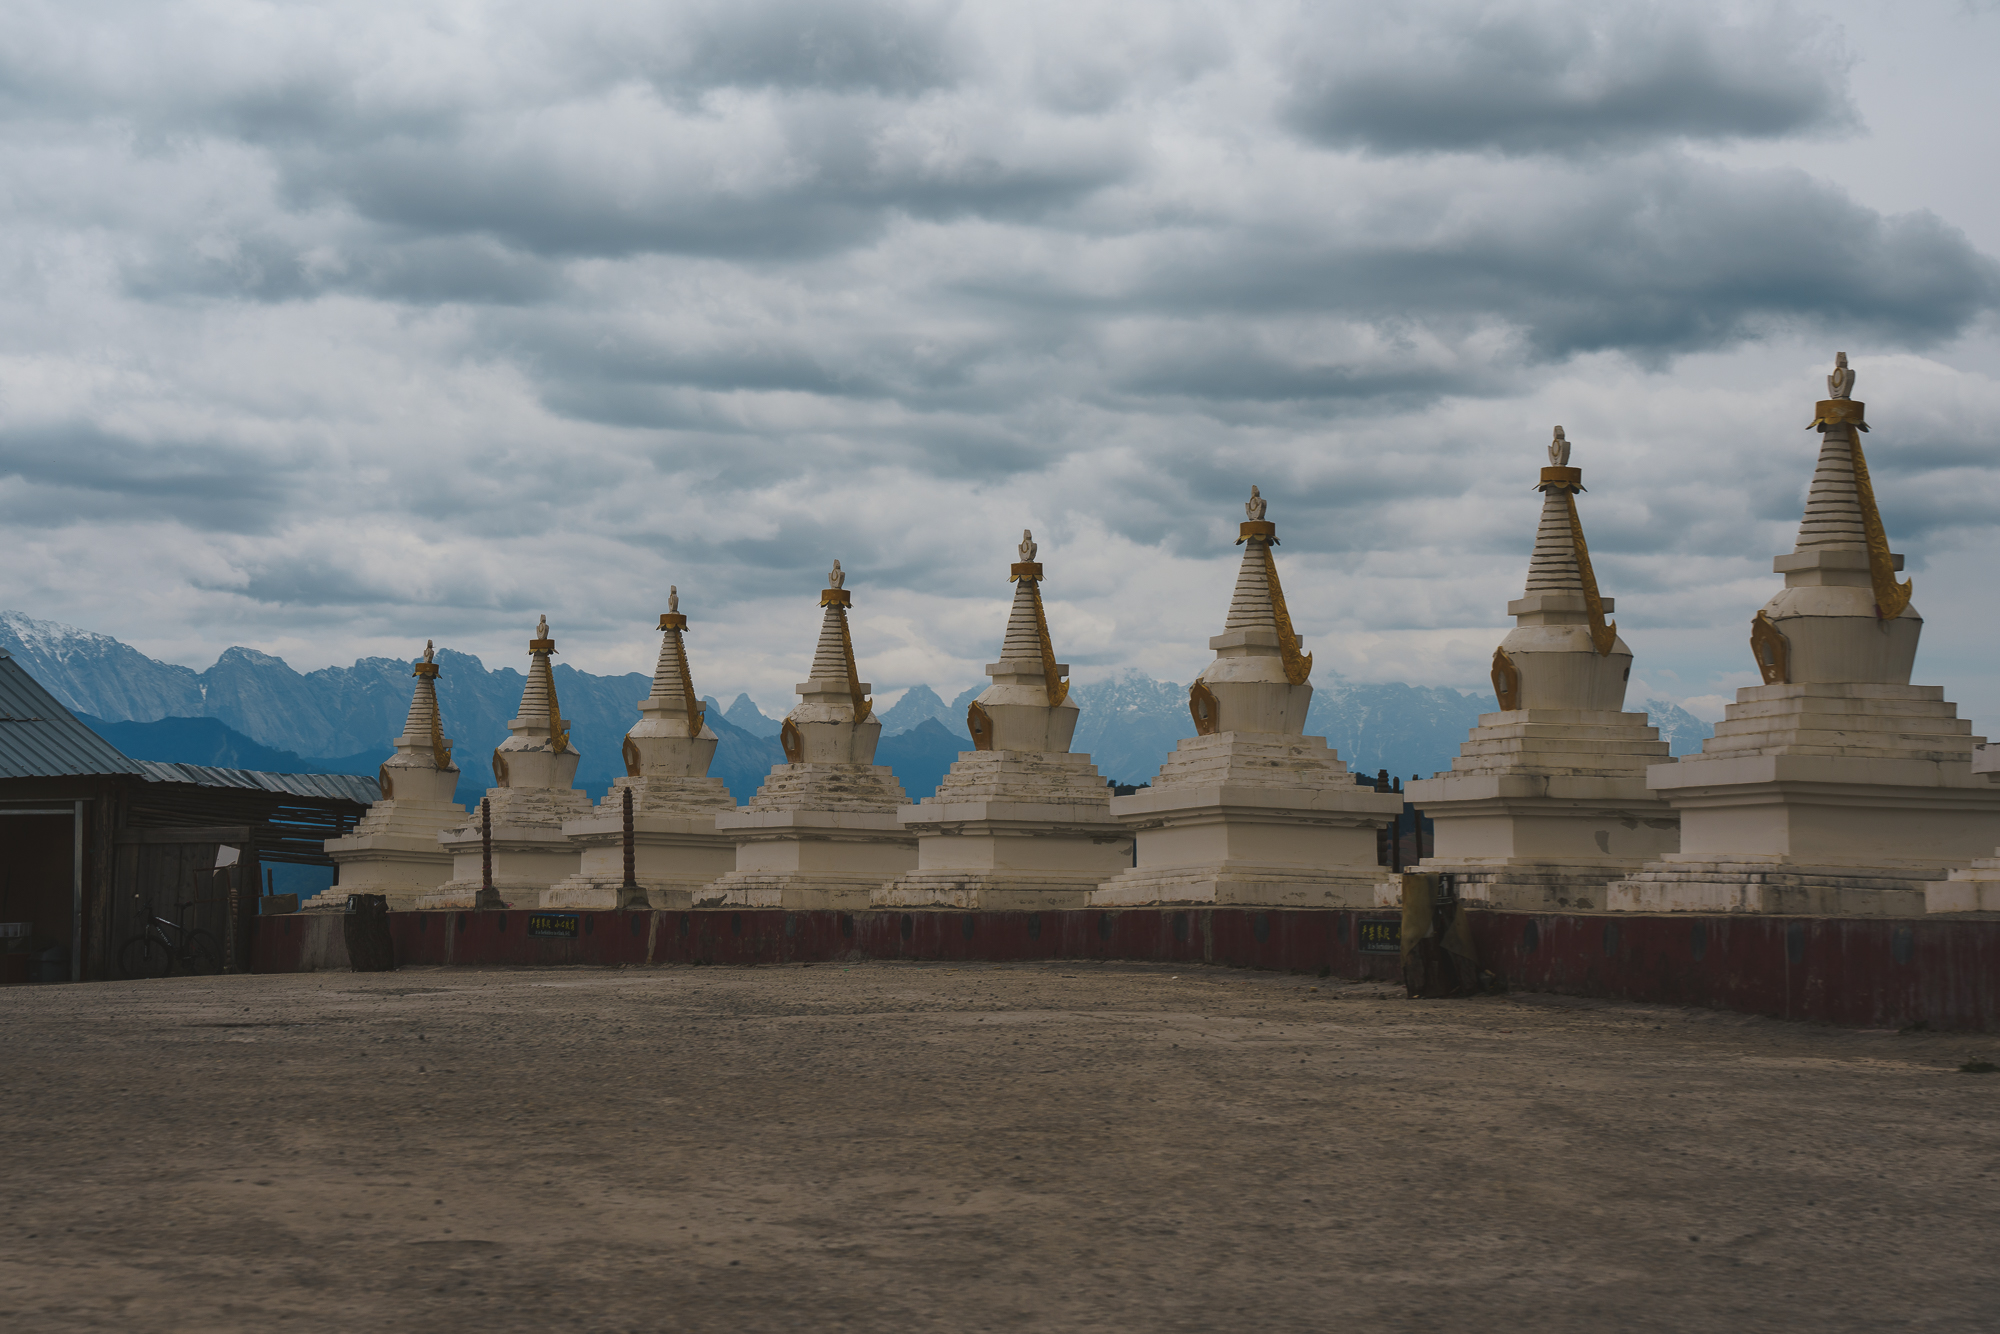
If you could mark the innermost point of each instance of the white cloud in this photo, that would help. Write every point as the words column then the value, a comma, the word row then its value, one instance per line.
column 328, row 329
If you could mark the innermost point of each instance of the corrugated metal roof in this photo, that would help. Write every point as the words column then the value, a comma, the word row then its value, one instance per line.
column 39, row 738
column 339, row 787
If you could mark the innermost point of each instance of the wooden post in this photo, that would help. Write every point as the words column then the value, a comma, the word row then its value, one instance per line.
column 631, row 876
column 488, row 897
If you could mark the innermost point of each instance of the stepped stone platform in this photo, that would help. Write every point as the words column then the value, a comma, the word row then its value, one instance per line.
column 1011, row 829
column 1252, row 818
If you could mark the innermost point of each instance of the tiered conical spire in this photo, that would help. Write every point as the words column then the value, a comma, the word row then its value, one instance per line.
column 1250, row 606
column 673, row 681
column 1258, row 604
column 423, row 728
column 1560, row 567
column 1833, row 508
column 1552, row 569
column 830, row 654
column 1835, row 514
column 833, row 674
column 540, row 710
column 1023, row 641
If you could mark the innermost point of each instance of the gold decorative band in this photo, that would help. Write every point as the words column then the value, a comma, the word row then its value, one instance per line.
column 835, row 597
column 673, row 620
column 541, row 646
column 427, row 670
column 1573, row 476
column 1298, row 666
column 1890, row 597
column 1025, row 569
column 1052, row 681
column 1258, row 528
column 1603, row 636
column 1839, row 412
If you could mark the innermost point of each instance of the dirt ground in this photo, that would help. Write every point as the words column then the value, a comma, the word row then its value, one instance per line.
column 933, row 1147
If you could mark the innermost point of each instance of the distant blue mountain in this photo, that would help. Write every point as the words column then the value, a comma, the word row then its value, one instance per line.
column 201, row 741
column 251, row 710
column 921, row 756
column 746, row 716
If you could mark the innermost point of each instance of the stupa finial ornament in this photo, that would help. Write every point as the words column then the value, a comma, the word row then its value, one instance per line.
column 1028, row 545
column 1840, row 384
column 836, row 577
column 673, row 598
column 542, row 627
column 430, row 651
column 1254, row 507
column 1559, row 450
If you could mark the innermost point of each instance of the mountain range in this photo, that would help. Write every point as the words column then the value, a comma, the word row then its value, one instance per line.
column 252, row 710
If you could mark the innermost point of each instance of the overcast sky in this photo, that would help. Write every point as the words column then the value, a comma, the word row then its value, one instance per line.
column 331, row 328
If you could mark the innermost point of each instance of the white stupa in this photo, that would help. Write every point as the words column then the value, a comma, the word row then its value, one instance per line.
column 1250, row 810
column 394, row 850
column 673, row 802
column 1019, row 822
column 535, row 772
column 1547, row 800
column 821, row 831
column 1836, row 787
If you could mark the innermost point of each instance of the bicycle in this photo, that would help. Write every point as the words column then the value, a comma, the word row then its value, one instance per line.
column 152, row 953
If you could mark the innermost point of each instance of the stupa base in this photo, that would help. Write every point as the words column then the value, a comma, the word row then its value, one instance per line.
column 1975, row 888
column 1003, row 891
column 468, row 895
column 1773, row 886
column 673, row 856
column 582, row 891
column 1527, row 886
column 802, row 892
column 402, row 895
column 1241, row 884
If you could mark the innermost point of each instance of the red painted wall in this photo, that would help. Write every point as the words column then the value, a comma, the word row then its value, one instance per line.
column 1872, row 973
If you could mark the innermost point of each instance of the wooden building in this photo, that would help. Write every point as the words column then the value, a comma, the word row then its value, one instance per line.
column 91, row 841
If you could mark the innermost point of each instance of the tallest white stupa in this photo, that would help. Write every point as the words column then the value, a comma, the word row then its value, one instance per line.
column 1836, row 787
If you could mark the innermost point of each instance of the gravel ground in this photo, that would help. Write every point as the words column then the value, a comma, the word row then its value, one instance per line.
column 912, row 1147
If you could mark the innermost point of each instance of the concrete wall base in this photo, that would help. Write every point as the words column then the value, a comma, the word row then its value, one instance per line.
column 1770, row 885
column 1240, row 883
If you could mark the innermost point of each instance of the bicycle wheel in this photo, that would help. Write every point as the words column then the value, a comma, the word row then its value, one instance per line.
column 201, row 956
column 144, row 956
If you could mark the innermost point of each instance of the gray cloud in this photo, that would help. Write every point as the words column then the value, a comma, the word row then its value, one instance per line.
column 76, row 469
column 453, row 315
column 1546, row 79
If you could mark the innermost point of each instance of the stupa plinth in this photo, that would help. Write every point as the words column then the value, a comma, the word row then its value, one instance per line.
column 1547, row 800
column 394, row 850
column 1974, row 888
column 1250, row 810
column 821, row 831
column 675, row 847
column 1019, row 822
column 1836, row 787
column 534, row 770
